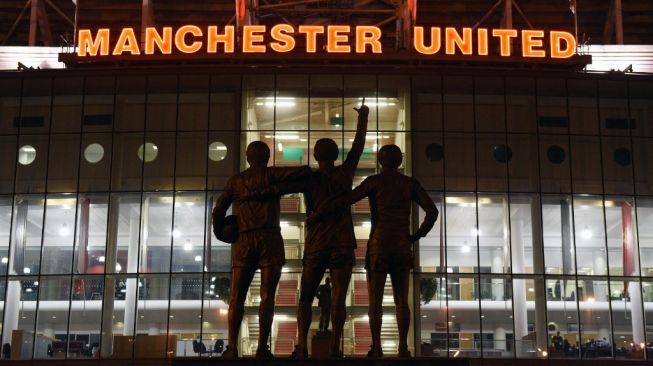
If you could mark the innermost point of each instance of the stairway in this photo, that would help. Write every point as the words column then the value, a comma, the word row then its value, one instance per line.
column 284, row 342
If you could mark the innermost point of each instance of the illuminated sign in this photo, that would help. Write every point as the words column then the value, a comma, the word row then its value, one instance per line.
column 342, row 39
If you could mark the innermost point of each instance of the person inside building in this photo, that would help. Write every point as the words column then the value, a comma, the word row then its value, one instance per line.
column 324, row 302
column 258, row 245
column 389, row 250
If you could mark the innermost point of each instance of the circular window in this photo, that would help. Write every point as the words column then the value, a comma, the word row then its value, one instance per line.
column 556, row 154
column 148, row 152
column 622, row 156
column 434, row 152
column 217, row 151
column 502, row 153
column 93, row 153
column 26, row 155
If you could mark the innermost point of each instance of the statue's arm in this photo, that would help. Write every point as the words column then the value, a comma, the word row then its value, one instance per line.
column 288, row 174
column 224, row 201
column 357, row 147
column 341, row 203
column 426, row 203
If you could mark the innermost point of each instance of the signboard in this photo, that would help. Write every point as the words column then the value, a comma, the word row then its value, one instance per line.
column 332, row 39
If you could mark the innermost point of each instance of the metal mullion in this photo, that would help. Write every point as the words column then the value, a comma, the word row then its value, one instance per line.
column 109, row 199
column 478, row 236
column 573, row 216
column 635, row 205
column 605, row 224
column 444, row 217
column 174, row 198
column 508, row 201
column 75, row 237
column 541, row 208
column 45, row 198
column 140, row 219
column 13, row 204
column 206, row 200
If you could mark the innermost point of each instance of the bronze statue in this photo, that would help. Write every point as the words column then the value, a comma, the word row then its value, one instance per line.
column 330, row 242
column 389, row 248
column 259, row 243
column 324, row 302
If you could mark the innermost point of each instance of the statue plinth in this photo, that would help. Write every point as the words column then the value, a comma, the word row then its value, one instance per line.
column 320, row 344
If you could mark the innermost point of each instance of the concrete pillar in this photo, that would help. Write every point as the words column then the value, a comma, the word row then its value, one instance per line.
column 497, row 267
column 132, row 283
column 499, row 338
column 538, row 267
column 636, row 312
column 599, row 291
column 106, row 343
column 519, row 287
column 11, row 307
column 16, row 263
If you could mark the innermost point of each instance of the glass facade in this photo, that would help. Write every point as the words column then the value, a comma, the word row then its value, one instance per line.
column 543, row 247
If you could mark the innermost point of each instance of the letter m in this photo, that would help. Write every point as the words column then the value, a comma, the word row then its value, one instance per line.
column 89, row 46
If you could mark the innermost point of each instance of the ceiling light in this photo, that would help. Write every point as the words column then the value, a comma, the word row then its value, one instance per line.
column 476, row 232
column 5, row 260
column 118, row 267
column 26, row 270
column 176, row 233
column 464, row 249
column 280, row 147
column 586, row 234
column 198, row 258
column 188, row 246
column 101, row 259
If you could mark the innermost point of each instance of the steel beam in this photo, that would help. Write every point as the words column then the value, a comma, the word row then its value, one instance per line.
column 33, row 18
column 13, row 26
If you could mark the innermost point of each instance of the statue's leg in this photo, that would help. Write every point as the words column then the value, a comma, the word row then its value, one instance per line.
column 375, row 286
column 311, row 277
column 400, row 282
column 241, row 278
column 327, row 318
column 340, row 278
column 269, row 280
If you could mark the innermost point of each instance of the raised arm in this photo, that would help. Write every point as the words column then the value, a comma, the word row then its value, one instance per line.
column 357, row 147
column 426, row 203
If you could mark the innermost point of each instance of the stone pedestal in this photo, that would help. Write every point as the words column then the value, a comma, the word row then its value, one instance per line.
column 320, row 344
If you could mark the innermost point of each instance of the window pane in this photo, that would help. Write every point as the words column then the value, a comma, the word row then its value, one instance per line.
column 27, row 233
column 595, row 319
column 59, row 234
column 90, row 256
column 214, row 313
column 52, row 319
column 63, row 177
column 161, row 112
column 590, row 236
column 431, row 247
column 152, row 316
column 98, row 104
column 583, row 107
column 118, row 317
column 493, row 234
column 193, row 102
column 18, row 326
column 462, row 234
column 5, row 232
column 67, row 104
column 562, row 317
column 130, row 103
column 496, row 317
column 622, row 237
column 433, row 320
column 189, row 232
column 645, row 232
column 157, row 233
column 35, row 106
column 558, row 240
column 464, row 316
column 627, row 318
column 85, row 317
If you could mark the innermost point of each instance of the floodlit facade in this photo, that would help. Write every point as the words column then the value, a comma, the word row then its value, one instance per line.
column 543, row 179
